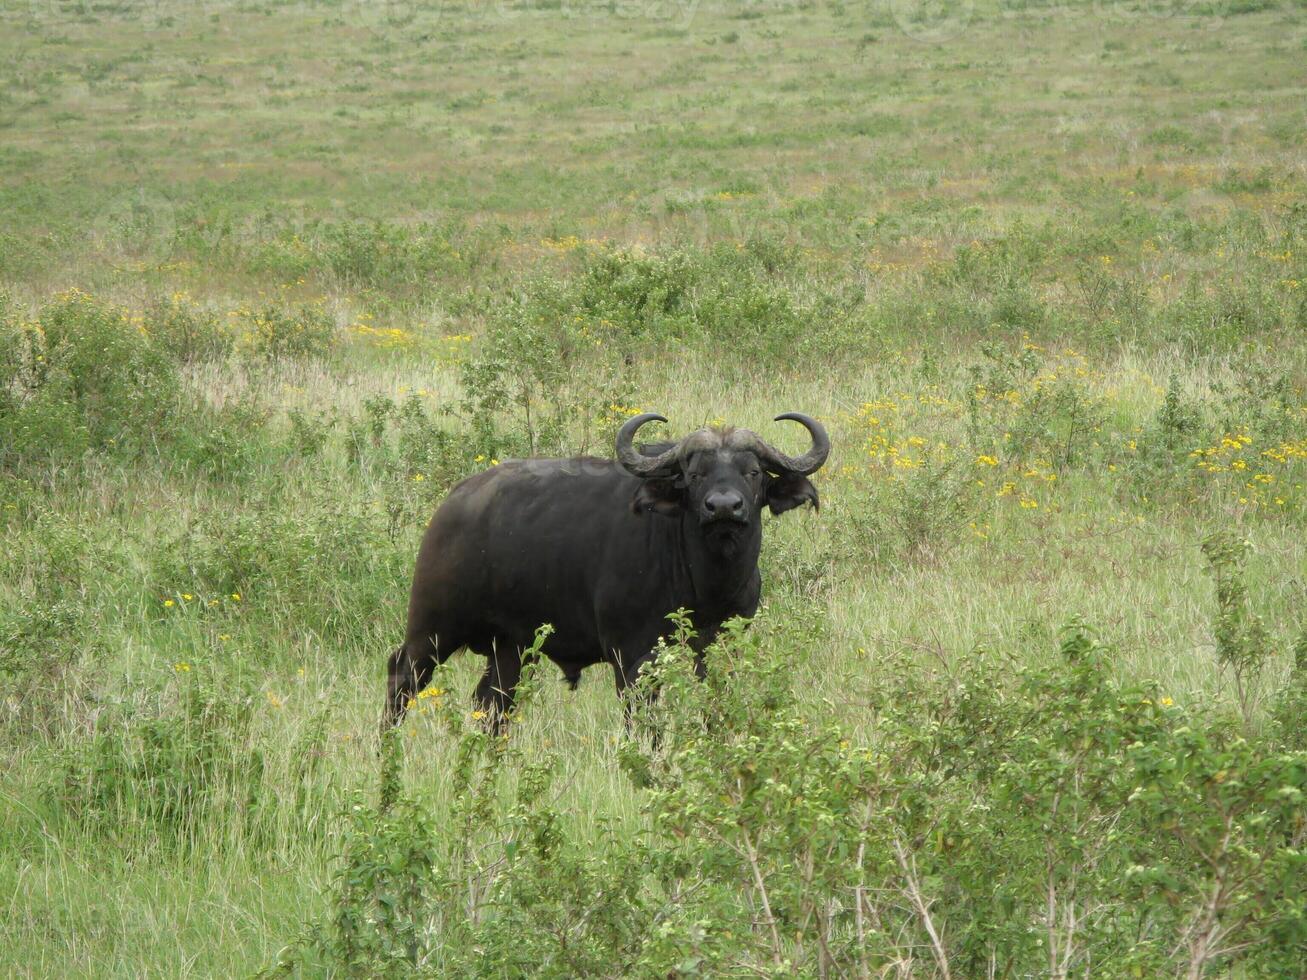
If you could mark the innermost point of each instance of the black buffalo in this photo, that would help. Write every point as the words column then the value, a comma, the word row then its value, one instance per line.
column 601, row 549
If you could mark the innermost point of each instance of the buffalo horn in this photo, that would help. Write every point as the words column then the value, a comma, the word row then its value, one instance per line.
column 809, row 462
column 636, row 462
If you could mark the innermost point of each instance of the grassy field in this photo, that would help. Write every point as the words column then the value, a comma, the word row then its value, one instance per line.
column 274, row 276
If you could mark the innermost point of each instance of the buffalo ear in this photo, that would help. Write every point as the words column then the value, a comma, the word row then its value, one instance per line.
column 659, row 497
column 790, row 491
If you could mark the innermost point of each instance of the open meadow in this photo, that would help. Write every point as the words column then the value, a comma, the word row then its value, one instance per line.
column 1027, row 696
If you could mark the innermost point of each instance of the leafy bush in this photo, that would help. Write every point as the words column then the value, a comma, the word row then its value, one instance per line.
column 308, row 432
column 996, row 819
column 82, row 376
column 1033, row 412
column 276, row 333
column 36, row 650
column 1205, row 317
column 165, row 779
column 1243, row 644
column 542, row 379
column 412, row 889
column 644, row 294
column 409, row 440
column 732, row 298
column 51, row 636
column 188, row 331
column 223, row 444
column 1260, row 400
column 928, row 509
column 359, row 254
column 45, row 618
column 1289, row 713
column 331, row 571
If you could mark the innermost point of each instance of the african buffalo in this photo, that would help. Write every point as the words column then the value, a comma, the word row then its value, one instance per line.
column 601, row 549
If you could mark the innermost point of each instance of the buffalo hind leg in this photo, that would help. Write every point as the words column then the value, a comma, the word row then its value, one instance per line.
column 409, row 671
column 494, row 693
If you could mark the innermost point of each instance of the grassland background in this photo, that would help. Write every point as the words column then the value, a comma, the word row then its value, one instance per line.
column 1112, row 191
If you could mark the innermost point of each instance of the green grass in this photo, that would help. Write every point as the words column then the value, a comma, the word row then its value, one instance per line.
column 718, row 211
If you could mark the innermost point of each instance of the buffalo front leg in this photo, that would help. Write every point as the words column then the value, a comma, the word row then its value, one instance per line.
column 494, row 693
column 626, row 672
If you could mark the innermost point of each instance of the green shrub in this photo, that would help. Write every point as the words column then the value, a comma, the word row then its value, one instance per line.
column 1218, row 317
column 413, row 888
column 1289, row 713
column 83, row 376
column 331, row 571
column 380, row 255
column 276, row 333
column 994, row 819
column 1262, row 401
column 543, row 380
column 1243, row 644
column 1029, row 411
column 929, row 508
column 309, row 432
column 45, row 621
column 165, row 779
column 1177, row 421
column 188, row 331
column 644, row 295
column 37, row 648
column 223, row 444
column 732, row 298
